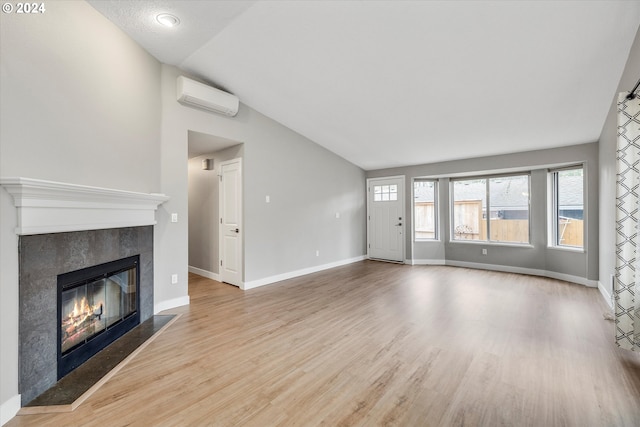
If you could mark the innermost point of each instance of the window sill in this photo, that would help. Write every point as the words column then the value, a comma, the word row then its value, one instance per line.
column 567, row 249
column 427, row 241
column 485, row 243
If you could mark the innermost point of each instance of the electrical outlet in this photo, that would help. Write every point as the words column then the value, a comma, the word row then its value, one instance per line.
column 174, row 279
column 317, row 253
column 484, row 251
column 337, row 215
column 174, row 217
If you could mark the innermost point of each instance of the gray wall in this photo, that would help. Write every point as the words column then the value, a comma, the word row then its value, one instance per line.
column 306, row 183
column 536, row 257
column 80, row 103
column 607, row 147
column 204, row 209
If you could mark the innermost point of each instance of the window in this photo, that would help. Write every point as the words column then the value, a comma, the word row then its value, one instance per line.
column 504, row 219
column 425, row 195
column 567, row 207
column 509, row 202
column 385, row 193
column 469, row 209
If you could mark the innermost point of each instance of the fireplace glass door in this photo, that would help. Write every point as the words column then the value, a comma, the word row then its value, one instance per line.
column 91, row 308
column 96, row 306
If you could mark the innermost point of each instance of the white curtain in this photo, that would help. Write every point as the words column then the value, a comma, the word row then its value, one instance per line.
column 626, row 288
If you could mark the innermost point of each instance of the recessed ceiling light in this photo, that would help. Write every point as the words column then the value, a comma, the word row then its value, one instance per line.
column 167, row 20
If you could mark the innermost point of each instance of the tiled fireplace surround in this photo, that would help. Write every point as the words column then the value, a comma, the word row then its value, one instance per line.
column 67, row 227
column 42, row 258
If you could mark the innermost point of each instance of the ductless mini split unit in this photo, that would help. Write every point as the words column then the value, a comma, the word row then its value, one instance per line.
column 198, row 95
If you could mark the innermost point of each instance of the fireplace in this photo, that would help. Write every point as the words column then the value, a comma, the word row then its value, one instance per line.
column 63, row 228
column 96, row 305
column 45, row 259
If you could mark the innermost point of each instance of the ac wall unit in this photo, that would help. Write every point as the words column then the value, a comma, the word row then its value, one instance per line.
column 199, row 95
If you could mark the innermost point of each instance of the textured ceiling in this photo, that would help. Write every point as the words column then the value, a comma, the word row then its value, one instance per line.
column 200, row 21
column 393, row 83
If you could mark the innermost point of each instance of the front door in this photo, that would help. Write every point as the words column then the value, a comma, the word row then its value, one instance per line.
column 386, row 219
column 231, row 252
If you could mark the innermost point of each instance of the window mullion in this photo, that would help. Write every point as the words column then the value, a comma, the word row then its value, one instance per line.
column 488, row 219
column 556, row 210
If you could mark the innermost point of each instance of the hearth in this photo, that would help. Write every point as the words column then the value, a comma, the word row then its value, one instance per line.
column 96, row 306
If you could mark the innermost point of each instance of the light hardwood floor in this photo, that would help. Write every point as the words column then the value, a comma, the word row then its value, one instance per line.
column 372, row 344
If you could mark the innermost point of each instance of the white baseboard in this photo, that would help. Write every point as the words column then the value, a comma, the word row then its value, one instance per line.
column 172, row 303
column 9, row 409
column 290, row 275
column 606, row 295
column 522, row 270
column 426, row 262
column 572, row 279
column 204, row 273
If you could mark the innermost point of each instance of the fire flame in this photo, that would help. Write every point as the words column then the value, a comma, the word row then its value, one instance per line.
column 82, row 310
column 81, row 322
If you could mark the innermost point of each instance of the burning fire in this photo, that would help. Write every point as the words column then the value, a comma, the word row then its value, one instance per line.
column 81, row 317
column 84, row 308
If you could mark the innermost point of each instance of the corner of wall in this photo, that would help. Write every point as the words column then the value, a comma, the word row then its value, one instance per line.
column 9, row 409
column 172, row 303
column 606, row 295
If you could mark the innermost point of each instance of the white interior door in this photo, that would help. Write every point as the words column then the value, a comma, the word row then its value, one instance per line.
column 231, row 252
column 386, row 219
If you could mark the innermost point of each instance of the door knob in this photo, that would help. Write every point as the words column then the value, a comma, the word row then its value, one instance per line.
column 399, row 224
column 237, row 230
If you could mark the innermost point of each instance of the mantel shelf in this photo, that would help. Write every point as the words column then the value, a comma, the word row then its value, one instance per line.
column 56, row 207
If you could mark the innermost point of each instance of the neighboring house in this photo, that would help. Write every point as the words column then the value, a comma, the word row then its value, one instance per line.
column 506, row 200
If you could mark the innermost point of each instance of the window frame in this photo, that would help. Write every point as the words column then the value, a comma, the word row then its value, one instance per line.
column 553, row 238
column 488, row 179
column 385, row 190
column 436, row 207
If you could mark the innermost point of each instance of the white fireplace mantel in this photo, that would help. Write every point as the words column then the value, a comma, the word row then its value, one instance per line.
column 56, row 207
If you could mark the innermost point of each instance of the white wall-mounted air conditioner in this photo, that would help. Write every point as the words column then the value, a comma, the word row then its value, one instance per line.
column 199, row 95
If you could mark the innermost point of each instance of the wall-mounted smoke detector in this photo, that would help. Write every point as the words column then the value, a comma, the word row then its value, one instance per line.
column 168, row 20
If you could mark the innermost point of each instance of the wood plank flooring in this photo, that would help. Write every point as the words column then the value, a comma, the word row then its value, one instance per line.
column 371, row 344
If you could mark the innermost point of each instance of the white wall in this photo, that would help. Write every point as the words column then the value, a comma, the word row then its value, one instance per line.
column 607, row 152
column 80, row 103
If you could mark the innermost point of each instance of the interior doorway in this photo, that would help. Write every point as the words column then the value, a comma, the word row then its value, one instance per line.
column 206, row 155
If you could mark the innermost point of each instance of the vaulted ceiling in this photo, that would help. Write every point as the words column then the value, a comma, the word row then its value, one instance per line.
column 394, row 83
